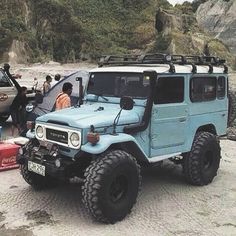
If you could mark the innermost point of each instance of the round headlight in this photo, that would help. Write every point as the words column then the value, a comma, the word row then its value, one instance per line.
column 74, row 139
column 39, row 131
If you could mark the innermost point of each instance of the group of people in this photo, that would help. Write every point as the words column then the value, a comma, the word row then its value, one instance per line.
column 49, row 83
column 63, row 98
column 17, row 108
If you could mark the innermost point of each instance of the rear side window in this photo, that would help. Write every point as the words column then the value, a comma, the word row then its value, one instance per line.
column 203, row 89
column 221, row 87
column 169, row 90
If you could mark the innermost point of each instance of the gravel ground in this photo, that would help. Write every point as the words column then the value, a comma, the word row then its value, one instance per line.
column 166, row 205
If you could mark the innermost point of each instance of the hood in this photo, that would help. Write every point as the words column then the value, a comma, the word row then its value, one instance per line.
column 97, row 114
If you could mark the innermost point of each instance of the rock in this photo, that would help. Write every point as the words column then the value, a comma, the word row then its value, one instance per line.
column 231, row 133
column 218, row 18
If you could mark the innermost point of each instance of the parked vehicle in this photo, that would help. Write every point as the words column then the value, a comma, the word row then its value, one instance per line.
column 138, row 110
column 8, row 91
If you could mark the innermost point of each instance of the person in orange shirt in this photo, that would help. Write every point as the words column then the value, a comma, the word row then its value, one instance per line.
column 63, row 99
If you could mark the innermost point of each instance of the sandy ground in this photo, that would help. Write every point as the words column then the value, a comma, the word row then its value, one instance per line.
column 40, row 71
column 167, row 205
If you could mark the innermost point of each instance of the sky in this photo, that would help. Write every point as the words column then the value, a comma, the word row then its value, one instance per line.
column 173, row 2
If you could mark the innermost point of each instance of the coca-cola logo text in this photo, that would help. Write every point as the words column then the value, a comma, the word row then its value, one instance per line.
column 9, row 161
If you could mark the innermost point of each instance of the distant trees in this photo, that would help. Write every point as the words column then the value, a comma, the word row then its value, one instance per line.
column 196, row 4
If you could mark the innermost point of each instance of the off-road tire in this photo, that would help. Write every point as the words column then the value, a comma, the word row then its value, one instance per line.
column 231, row 108
column 202, row 162
column 114, row 171
column 37, row 181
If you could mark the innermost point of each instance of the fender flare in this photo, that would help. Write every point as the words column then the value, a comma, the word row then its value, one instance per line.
column 106, row 141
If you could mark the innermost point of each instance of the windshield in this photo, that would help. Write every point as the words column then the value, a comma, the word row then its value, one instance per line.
column 118, row 85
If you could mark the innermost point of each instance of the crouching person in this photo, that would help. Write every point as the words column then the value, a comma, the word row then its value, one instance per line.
column 17, row 110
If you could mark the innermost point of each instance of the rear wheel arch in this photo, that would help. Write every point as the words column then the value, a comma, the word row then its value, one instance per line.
column 210, row 128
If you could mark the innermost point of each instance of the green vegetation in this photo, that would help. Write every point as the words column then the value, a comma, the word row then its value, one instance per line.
column 71, row 30
column 68, row 30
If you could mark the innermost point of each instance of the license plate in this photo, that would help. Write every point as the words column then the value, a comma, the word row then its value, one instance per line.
column 36, row 168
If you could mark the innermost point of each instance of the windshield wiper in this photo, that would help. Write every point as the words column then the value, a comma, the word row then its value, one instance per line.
column 100, row 95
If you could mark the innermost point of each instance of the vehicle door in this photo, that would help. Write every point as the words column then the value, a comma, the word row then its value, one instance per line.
column 169, row 115
column 7, row 93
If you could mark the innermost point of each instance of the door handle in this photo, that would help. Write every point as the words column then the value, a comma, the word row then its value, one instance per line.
column 182, row 119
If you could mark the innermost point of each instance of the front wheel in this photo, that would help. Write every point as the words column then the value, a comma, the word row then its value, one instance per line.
column 111, row 186
column 202, row 162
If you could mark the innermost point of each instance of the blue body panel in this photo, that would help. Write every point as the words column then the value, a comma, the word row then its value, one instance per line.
column 171, row 129
column 106, row 141
column 97, row 114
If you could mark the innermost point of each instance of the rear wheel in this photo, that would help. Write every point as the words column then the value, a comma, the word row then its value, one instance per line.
column 202, row 162
column 111, row 186
column 232, row 108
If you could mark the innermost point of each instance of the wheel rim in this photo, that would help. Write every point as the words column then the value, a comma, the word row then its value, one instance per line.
column 208, row 160
column 118, row 189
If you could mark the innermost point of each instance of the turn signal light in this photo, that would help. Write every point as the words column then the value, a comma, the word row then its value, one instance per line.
column 30, row 124
column 93, row 138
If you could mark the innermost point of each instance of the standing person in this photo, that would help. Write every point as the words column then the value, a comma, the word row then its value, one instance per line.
column 6, row 68
column 63, row 99
column 56, row 80
column 35, row 84
column 47, row 84
column 17, row 110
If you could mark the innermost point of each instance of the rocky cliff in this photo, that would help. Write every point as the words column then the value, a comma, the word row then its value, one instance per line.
column 179, row 33
column 71, row 30
column 218, row 18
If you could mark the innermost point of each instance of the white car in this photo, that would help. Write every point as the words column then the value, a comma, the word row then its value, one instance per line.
column 8, row 91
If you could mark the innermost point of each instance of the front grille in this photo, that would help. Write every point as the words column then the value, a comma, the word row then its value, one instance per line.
column 57, row 136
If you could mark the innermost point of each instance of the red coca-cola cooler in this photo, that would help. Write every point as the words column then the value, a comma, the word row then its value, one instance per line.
column 8, row 153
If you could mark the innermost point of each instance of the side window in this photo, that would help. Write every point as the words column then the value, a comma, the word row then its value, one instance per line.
column 203, row 89
column 4, row 81
column 169, row 90
column 221, row 87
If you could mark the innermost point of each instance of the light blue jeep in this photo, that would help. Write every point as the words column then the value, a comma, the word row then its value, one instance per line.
column 137, row 110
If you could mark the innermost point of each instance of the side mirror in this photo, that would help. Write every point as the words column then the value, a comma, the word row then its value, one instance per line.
column 38, row 98
column 126, row 103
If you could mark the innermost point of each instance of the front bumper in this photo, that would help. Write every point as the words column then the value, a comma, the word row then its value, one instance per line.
column 42, row 157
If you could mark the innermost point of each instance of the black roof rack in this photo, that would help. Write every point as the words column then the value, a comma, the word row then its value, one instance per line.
column 158, row 58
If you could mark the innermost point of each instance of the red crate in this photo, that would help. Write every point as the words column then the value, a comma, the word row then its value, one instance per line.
column 8, row 153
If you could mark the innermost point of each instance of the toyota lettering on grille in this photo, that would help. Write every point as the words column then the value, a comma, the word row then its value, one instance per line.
column 57, row 135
